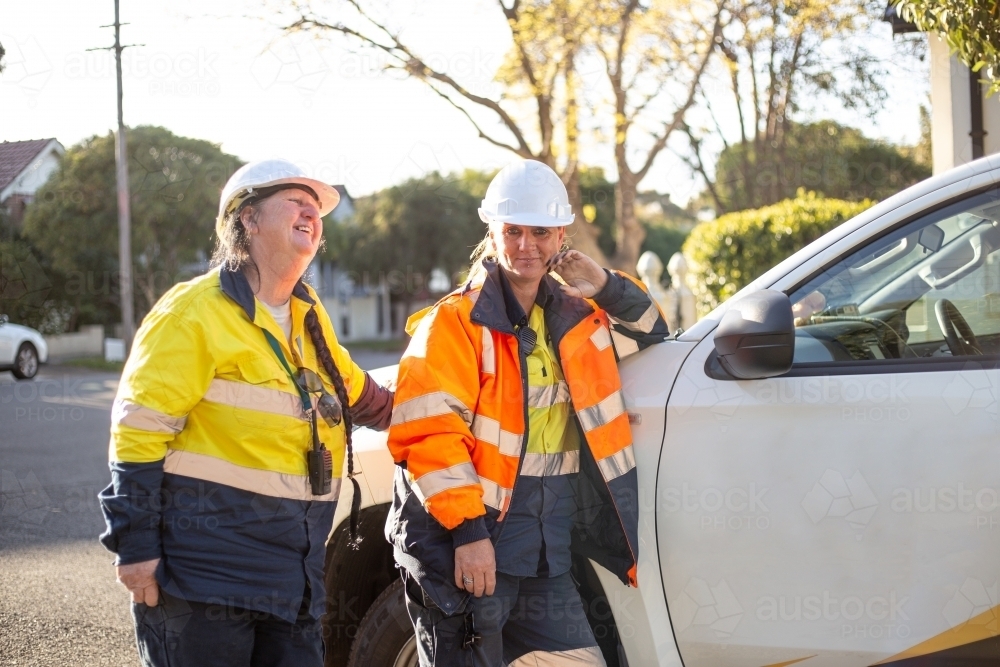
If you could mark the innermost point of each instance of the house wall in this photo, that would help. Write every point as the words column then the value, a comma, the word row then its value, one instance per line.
column 951, row 110
column 21, row 191
column 36, row 174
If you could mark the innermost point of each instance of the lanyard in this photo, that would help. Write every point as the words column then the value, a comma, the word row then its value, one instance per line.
column 276, row 346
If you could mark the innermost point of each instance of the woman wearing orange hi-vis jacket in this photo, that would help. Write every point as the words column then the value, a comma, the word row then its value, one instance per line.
column 513, row 444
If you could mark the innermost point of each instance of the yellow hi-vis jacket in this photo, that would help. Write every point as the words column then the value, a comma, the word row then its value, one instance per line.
column 208, row 449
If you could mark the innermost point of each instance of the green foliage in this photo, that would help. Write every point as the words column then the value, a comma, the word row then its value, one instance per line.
column 407, row 230
column 597, row 195
column 730, row 252
column 664, row 240
column 29, row 289
column 971, row 28
column 174, row 184
column 825, row 157
column 664, row 235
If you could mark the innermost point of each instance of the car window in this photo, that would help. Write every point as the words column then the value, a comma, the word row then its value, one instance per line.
column 928, row 289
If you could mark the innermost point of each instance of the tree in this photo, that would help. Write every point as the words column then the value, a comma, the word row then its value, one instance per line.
column 971, row 28
column 733, row 250
column 406, row 231
column 776, row 59
column 175, row 184
column 652, row 56
column 663, row 223
column 833, row 160
column 2, row 54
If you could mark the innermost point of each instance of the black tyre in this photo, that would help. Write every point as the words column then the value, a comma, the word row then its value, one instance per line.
column 385, row 637
column 26, row 362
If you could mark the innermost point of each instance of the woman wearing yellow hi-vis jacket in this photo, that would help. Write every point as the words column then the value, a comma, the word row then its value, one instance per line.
column 229, row 431
column 512, row 440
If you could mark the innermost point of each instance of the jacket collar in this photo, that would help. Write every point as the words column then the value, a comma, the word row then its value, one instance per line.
column 236, row 286
column 498, row 309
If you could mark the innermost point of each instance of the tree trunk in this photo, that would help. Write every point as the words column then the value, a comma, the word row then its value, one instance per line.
column 629, row 234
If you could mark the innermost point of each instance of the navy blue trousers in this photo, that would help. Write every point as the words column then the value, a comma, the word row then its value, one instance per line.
column 181, row 633
column 527, row 621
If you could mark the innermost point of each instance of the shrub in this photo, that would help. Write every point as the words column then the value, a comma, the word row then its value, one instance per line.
column 728, row 253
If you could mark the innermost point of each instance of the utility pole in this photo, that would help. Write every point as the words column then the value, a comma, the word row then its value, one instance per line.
column 124, row 200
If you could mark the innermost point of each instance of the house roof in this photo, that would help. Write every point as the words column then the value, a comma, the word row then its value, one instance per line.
column 344, row 195
column 15, row 156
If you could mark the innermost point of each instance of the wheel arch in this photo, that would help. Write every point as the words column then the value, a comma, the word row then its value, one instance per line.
column 354, row 579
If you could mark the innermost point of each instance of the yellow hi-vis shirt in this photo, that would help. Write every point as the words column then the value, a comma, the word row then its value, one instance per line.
column 553, row 440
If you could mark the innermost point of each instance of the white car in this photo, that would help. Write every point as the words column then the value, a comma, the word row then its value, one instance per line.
column 22, row 349
column 818, row 461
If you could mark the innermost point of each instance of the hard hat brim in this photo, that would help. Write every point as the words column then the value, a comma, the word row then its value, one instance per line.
column 527, row 219
column 328, row 195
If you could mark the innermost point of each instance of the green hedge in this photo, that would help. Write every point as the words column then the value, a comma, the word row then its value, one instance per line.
column 731, row 251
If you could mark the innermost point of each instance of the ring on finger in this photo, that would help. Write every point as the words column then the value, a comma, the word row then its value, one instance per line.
column 468, row 581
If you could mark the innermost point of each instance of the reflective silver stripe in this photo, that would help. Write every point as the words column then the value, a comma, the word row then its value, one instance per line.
column 624, row 346
column 432, row 483
column 549, row 465
column 261, row 482
column 616, row 465
column 548, row 395
column 645, row 323
column 133, row 415
column 253, row 397
column 578, row 657
column 600, row 338
column 603, row 412
column 489, row 354
column 493, row 493
column 488, row 430
column 433, row 404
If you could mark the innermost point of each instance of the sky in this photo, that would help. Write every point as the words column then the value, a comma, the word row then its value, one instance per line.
column 212, row 70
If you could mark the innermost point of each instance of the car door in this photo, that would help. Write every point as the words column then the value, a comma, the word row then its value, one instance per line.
column 6, row 344
column 846, row 513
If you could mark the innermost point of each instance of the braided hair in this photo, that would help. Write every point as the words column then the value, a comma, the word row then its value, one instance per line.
column 326, row 358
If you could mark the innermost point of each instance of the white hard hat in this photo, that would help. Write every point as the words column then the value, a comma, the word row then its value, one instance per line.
column 267, row 173
column 527, row 192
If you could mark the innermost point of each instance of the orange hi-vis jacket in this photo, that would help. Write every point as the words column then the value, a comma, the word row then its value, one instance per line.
column 459, row 424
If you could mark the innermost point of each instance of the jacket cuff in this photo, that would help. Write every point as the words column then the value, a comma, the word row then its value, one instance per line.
column 139, row 546
column 470, row 530
column 373, row 407
column 612, row 292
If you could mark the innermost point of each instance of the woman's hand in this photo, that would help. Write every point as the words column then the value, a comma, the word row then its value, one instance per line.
column 476, row 567
column 583, row 276
column 140, row 580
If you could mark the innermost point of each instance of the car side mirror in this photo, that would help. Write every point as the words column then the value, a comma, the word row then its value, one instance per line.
column 756, row 337
column 4, row 320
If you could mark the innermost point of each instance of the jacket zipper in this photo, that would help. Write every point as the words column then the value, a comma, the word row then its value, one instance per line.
column 524, row 440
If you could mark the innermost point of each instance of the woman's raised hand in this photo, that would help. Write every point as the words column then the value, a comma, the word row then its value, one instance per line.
column 583, row 276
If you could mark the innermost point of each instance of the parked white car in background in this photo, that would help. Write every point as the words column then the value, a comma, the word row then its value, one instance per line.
column 22, row 349
column 818, row 463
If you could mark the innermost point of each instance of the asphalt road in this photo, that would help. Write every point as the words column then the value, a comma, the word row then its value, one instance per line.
column 59, row 603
